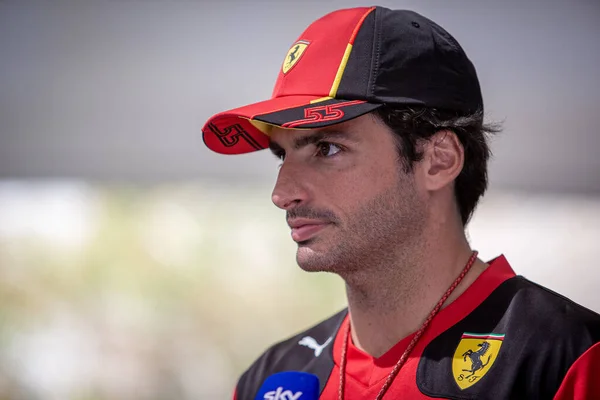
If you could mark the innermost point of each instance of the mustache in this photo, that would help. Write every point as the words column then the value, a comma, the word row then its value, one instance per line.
column 311, row 213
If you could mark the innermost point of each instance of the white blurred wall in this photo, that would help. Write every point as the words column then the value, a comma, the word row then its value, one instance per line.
column 119, row 89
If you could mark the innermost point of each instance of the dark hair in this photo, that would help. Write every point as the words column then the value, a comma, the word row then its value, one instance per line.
column 413, row 125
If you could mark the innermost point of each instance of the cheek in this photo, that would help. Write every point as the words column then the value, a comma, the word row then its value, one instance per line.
column 379, row 174
column 347, row 188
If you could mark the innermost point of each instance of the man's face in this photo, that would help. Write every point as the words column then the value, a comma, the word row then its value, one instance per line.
column 347, row 199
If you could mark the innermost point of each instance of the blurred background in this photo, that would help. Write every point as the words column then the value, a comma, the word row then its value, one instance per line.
column 135, row 264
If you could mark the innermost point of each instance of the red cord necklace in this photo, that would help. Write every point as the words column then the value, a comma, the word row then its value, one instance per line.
column 413, row 342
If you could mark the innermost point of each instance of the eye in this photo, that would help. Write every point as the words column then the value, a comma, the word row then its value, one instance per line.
column 326, row 149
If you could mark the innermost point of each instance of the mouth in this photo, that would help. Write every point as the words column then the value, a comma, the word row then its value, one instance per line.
column 303, row 230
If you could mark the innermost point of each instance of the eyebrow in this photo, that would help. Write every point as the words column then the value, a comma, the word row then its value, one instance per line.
column 313, row 138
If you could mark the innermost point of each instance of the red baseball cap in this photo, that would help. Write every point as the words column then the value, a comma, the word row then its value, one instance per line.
column 349, row 63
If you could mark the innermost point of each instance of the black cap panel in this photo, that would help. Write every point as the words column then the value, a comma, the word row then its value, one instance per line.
column 406, row 57
column 418, row 60
column 467, row 91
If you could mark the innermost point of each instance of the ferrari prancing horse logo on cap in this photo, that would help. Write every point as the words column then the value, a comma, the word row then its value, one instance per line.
column 474, row 356
column 294, row 54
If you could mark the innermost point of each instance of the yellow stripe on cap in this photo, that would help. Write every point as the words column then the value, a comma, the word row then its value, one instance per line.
column 265, row 127
column 340, row 71
column 320, row 99
column 261, row 126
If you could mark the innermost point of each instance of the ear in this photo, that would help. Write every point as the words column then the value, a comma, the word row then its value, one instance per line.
column 443, row 160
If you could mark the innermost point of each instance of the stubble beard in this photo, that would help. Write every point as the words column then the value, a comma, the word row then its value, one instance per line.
column 379, row 233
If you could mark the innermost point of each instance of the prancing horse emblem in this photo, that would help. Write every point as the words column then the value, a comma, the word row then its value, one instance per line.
column 293, row 55
column 474, row 357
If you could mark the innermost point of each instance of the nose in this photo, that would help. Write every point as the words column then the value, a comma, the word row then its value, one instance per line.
column 290, row 189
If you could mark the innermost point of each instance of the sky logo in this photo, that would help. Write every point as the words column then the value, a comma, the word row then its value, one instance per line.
column 281, row 394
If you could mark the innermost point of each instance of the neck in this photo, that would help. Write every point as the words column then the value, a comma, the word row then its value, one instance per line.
column 389, row 302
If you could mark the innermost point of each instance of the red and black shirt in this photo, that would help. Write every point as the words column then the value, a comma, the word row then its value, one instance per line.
column 504, row 338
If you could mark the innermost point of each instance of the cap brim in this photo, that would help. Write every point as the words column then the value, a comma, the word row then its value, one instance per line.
column 246, row 129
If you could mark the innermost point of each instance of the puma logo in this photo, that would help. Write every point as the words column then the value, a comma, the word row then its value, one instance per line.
column 311, row 343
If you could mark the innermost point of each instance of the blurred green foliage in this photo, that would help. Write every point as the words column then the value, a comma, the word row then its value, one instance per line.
column 146, row 292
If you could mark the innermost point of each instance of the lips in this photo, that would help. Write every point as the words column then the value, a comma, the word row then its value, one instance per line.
column 304, row 229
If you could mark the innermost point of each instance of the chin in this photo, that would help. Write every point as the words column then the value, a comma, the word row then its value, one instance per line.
column 307, row 258
column 312, row 260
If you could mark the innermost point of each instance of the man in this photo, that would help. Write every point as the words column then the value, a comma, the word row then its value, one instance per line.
column 377, row 117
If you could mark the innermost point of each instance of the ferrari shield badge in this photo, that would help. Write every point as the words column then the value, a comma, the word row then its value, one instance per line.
column 474, row 357
column 293, row 55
